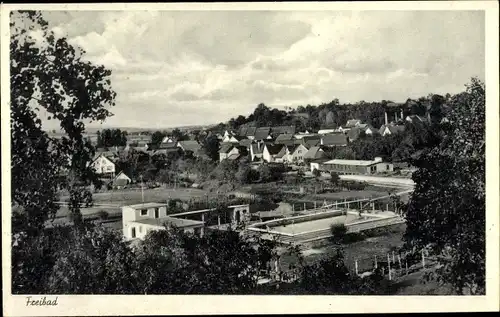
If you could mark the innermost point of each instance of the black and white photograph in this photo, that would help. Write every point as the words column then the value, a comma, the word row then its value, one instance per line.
column 248, row 151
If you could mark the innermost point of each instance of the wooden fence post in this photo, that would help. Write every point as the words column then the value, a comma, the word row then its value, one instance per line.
column 399, row 260
column 406, row 263
column 393, row 258
column 376, row 266
column 356, row 266
column 389, row 266
column 423, row 259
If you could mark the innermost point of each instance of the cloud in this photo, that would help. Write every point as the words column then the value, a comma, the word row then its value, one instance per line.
column 206, row 66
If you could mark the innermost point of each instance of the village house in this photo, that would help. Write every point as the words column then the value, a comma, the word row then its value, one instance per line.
column 230, row 151
column 262, row 134
column 352, row 167
column 295, row 153
column 415, row 119
column 256, row 151
column 103, row 166
column 391, row 129
column 121, row 180
column 314, row 153
column 274, row 153
column 230, row 138
column 189, row 146
column 138, row 220
column 285, row 139
column 333, row 140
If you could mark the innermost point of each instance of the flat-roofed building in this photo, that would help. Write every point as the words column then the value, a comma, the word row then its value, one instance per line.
column 351, row 167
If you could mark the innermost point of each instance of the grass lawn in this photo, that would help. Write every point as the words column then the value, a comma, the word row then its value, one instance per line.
column 134, row 196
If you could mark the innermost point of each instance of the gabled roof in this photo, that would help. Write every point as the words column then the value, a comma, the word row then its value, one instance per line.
column 314, row 152
column 352, row 123
column 353, row 134
column 393, row 129
column 226, row 148
column 274, row 149
column 168, row 145
column 245, row 142
column 262, row 133
column 283, row 137
column 233, row 157
column 192, row 146
column 337, row 139
column 246, row 131
column 285, row 129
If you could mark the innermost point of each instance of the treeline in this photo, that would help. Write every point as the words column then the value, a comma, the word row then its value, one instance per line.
column 334, row 114
column 94, row 260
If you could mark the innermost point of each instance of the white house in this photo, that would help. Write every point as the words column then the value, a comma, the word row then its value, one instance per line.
column 295, row 153
column 352, row 167
column 169, row 140
column 227, row 151
column 230, row 139
column 138, row 220
column 274, row 153
column 256, row 150
column 103, row 166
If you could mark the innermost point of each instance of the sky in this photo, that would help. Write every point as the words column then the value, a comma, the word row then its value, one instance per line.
column 176, row 68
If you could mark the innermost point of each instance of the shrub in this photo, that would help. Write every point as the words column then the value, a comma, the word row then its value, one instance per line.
column 103, row 214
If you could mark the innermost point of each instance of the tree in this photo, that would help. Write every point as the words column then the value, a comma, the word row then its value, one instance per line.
column 211, row 146
column 53, row 76
column 316, row 173
column 111, row 137
column 334, row 178
column 179, row 135
column 157, row 137
column 446, row 213
column 48, row 74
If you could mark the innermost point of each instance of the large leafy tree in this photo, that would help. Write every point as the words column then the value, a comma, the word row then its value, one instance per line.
column 446, row 212
column 47, row 75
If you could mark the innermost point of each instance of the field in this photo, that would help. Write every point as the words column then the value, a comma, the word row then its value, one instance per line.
column 134, row 196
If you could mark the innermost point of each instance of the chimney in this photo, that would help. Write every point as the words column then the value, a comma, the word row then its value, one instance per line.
column 386, row 118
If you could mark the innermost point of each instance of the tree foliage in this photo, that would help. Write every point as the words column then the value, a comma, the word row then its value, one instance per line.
column 50, row 75
column 446, row 212
column 111, row 137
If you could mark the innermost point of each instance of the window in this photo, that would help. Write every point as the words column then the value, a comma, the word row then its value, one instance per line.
column 133, row 232
column 387, row 166
column 144, row 212
column 157, row 213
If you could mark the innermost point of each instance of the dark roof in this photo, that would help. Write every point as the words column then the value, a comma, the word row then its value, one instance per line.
column 353, row 134
column 337, row 139
column 274, row 149
column 314, row 153
column 166, row 151
column 225, row 148
column 246, row 131
column 192, row 146
column 245, row 142
column 262, row 133
column 285, row 129
column 392, row 128
column 283, row 137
